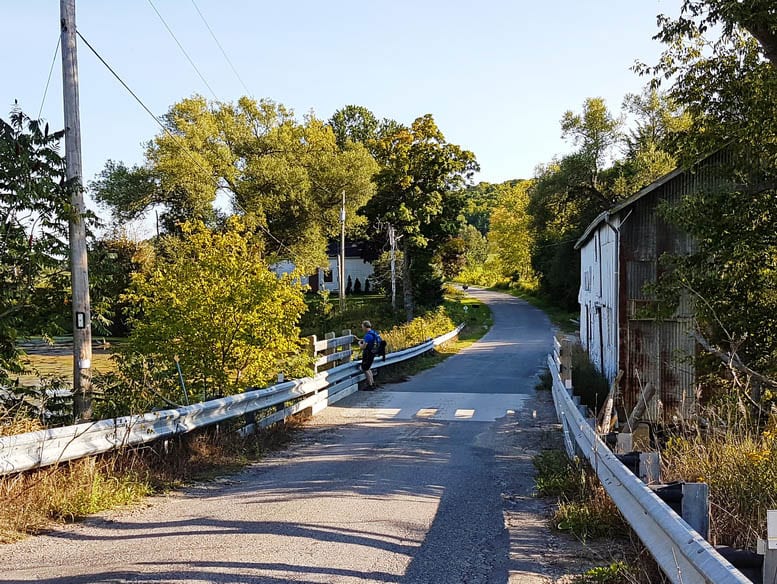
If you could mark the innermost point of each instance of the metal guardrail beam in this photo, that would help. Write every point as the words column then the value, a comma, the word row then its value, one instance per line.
column 683, row 555
column 31, row 450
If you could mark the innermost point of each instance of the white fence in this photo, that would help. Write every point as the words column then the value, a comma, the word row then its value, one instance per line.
column 683, row 555
column 36, row 449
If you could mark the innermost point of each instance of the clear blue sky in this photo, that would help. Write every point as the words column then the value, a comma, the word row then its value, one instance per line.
column 496, row 74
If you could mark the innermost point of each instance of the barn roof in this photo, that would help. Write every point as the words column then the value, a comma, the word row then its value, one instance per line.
column 625, row 203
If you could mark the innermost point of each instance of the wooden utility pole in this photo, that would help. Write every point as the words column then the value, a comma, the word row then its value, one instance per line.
column 393, row 243
column 79, row 270
column 342, row 255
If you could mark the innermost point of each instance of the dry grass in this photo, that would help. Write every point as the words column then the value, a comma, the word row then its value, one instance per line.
column 60, row 366
column 31, row 501
column 740, row 468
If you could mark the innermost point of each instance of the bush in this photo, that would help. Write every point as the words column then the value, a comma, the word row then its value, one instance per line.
column 587, row 380
column 585, row 509
column 420, row 329
column 217, row 307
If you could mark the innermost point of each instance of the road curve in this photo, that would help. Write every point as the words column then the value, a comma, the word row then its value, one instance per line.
column 407, row 484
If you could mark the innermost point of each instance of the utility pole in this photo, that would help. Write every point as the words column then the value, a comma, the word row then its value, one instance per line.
column 393, row 242
column 79, row 270
column 342, row 255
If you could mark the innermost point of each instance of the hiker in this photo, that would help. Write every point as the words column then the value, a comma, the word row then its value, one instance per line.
column 370, row 345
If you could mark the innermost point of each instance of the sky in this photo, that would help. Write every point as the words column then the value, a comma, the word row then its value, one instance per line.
column 496, row 74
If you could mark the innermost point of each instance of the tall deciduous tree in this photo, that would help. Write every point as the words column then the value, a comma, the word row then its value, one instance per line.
column 419, row 191
column 34, row 206
column 719, row 58
column 288, row 175
column 512, row 234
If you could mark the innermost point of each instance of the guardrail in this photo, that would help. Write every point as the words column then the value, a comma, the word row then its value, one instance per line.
column 31, row 450
column 682, row 554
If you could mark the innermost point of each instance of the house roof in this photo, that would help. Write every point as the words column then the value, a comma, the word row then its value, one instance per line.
column 353, row 249
column 625, row 203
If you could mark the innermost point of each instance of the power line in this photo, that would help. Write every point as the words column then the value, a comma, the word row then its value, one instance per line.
column 180, row 46
column 175, row 138
column 223, row 52
column 51, row 70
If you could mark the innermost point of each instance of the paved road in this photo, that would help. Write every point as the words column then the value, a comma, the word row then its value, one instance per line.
column 425, row 482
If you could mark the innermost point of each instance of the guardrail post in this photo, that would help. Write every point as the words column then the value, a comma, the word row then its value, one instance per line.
column 770, row 549
column 650, row 468
column 696, row 508
column 328, row 351
column 566, row 362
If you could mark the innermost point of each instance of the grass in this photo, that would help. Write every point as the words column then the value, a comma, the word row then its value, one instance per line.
column 30, row 502
column 60, row 366
column 741, row 471
column 562, row 318
column 584, row 508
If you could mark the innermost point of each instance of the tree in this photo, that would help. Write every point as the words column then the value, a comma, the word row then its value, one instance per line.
column 594, row 131
column 216, row 306
column 34, row 204
column 419, row 191
column 112, row 261
column 511, row 233
column 288, row 175
column 354, row 123
column 726, row 80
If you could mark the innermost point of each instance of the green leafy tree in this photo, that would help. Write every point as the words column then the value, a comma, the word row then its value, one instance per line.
column 719, row 59
column 511, row 233
column 216, row 306
column 112, row 261
column 34, row 206
column 354, row 123
column 287, row 175
column 420, row 191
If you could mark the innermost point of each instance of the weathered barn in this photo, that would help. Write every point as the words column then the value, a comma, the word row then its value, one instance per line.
column 620, row 254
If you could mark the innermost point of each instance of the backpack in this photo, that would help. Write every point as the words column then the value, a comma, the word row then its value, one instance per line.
column 378, row 347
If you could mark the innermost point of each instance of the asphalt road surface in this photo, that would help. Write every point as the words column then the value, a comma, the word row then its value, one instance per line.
column 424, row 481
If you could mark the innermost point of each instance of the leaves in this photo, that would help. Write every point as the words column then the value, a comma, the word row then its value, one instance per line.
column 215, row 304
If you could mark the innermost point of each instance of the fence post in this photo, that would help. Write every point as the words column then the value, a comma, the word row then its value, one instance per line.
column 312, row 350
column 566, row 362
column 346, row 345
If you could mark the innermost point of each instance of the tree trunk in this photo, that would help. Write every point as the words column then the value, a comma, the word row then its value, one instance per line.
column 407, row 282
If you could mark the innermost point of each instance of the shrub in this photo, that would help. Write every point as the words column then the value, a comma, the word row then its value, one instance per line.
column 587, row 380
column 217, row 307
column 420, row 329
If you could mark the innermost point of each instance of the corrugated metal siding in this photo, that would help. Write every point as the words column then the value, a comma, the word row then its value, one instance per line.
column 659, row 352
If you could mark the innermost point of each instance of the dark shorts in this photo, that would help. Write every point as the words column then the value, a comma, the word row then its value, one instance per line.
column 367, row 358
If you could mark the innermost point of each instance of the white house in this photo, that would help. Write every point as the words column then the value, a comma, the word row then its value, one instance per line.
column 356, row 269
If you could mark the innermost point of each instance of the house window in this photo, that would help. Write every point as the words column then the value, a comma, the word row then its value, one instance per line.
column 327, row 275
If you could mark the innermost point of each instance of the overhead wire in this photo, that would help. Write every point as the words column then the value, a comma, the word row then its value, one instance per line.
column 51, row 70
column 175, row 138
column 180, row 46
column 221, row 48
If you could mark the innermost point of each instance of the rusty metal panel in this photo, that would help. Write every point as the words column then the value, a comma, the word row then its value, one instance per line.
column 676, row 370
column 638, row 274
column 641, row 360
column 639, row 231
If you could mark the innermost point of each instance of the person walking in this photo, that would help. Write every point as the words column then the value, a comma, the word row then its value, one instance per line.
column 370, row 345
